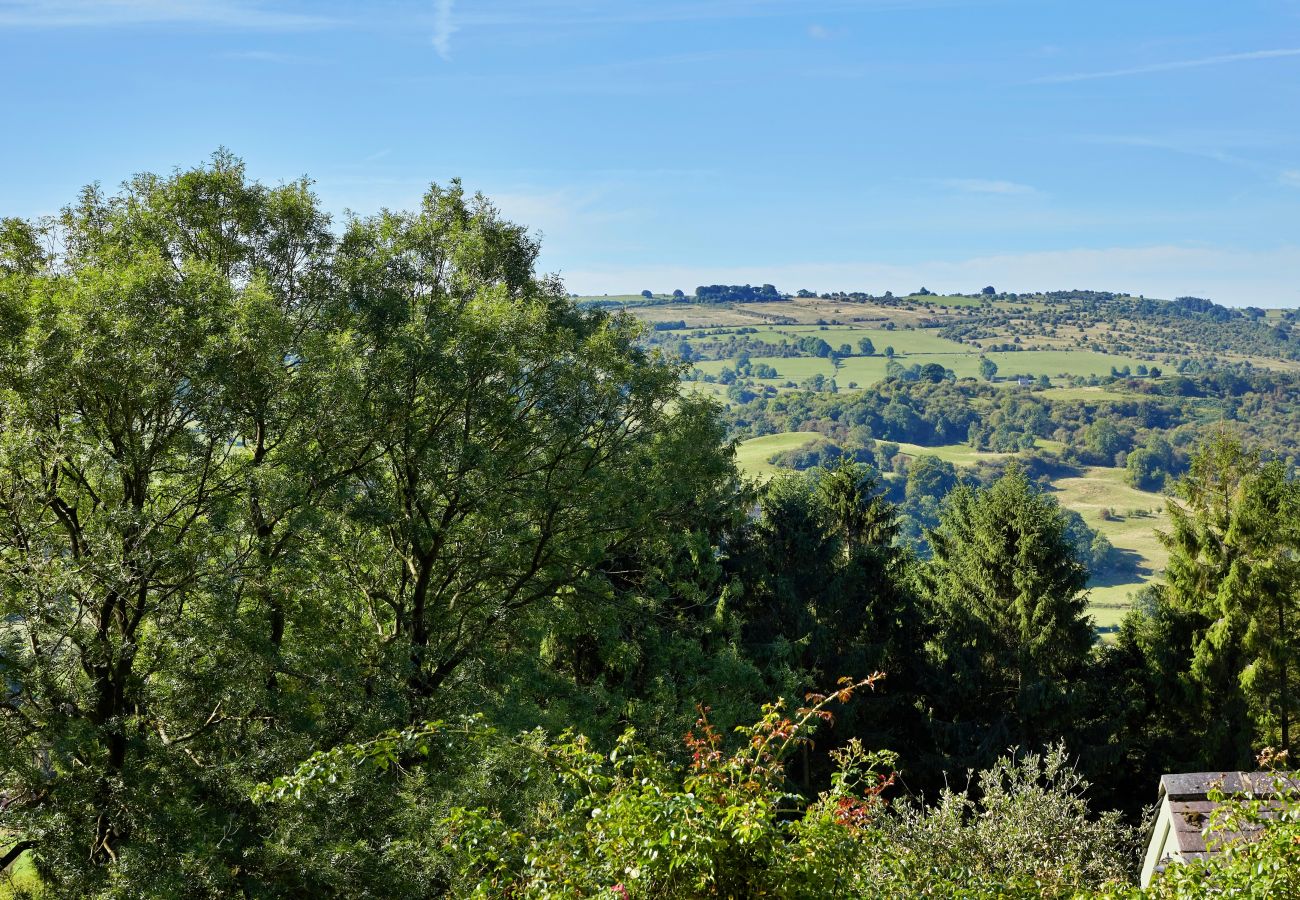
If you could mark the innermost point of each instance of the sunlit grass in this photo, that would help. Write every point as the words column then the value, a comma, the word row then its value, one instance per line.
column 752, row 455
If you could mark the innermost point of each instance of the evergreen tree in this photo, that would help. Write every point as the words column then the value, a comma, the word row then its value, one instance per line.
column 1233, row 561
column 825, row 596
column 1009, row 598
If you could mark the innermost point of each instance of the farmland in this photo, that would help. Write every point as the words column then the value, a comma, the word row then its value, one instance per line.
column 1091, row 356
column 752, row 455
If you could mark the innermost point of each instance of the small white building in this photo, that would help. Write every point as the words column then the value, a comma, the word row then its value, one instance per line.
column 1181, row 832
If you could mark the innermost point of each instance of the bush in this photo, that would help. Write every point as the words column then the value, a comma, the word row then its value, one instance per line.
column 1023, row 830
column 630, row 823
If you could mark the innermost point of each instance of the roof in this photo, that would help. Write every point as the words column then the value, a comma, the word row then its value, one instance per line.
column 1190, row 806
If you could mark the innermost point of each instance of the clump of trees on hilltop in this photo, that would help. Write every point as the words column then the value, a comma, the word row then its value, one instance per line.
column 359, row 561
column 737, row 293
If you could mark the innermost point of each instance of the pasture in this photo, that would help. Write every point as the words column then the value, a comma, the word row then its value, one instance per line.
column 752, row 455
column 912, row 348
column 887, row 327
column 957, row 454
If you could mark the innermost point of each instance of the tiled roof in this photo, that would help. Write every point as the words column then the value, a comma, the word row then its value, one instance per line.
column 1190, row 806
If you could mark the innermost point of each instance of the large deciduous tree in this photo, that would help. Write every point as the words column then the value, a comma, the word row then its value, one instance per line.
column 267, row 487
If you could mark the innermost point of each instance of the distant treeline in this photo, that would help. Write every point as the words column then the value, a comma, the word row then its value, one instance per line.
column 737, row 293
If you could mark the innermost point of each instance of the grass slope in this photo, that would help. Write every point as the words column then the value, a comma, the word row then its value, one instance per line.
column 751, row 455
column 1136, row 516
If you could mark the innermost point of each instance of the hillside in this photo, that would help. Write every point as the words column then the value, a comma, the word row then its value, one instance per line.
column 1159, row 372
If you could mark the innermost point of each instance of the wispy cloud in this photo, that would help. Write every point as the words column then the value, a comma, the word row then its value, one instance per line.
column 1222, row 59
column 819, row 32
column 987, row 186
column 110, row 13
column 1184, row 145
column 443, row 28
column 1291, row 178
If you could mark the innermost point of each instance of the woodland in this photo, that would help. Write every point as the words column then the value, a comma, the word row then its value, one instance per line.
column 356, row 558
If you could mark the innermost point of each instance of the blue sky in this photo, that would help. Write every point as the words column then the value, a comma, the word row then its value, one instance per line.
column 1146, row 145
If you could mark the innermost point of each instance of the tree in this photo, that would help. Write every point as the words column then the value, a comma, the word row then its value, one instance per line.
column 265, row 488
column 1143, row 470
column 1103, row 439
column 933, row 373
column 930, row 476
column 867, row 348
column 1012, row 615
column 648, row 294
column 679, row 294
column 1235, row 562
column 988, row 291
column 988, row 368
column 861, row 516
column 158, row 486
column 825, row 590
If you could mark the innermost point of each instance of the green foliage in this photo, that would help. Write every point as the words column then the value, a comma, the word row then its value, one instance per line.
column 631, row 821
column 264, row 488
column 1024, row 828
column 731, row 824
column 1012, row 616
column 1233, row 561
column 820, row 589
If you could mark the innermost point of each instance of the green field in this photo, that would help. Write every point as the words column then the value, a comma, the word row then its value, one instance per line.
column 1135, row 516
column 957, row 454
column 947, row 300
column 867, row 370
column 1086, row 394
column 752, row 455
column 21, row 879
column 911, row 334
column 1059, row 362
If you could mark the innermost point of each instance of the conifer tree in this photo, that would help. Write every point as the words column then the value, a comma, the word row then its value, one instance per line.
column 1009, row 596
column 1233, row 560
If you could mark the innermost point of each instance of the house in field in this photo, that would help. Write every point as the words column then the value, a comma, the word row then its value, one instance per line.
column 1182, row 832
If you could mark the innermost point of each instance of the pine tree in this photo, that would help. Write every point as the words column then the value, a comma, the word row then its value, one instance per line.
column 1233, row 560
column 1009, row 593
column 861, row 516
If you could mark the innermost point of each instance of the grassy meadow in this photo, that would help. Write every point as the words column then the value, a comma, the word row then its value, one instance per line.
column 911, row 346
column 752, row 455
column 20, row 880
